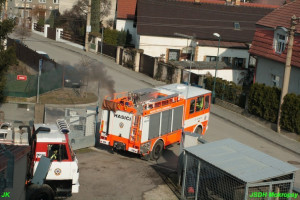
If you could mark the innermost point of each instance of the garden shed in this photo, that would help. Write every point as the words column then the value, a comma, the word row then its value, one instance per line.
column 227, row 169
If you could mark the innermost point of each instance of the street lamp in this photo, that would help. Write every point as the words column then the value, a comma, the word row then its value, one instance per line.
column 214, row 88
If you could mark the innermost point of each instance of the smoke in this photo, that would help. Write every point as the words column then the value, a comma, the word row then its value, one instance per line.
column 95, row 71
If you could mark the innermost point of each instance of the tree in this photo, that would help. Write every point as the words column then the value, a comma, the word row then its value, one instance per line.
column 7, row 56
column 95, row 16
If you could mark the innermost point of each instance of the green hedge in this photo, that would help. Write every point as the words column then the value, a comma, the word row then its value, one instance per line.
column 264, row 102
column 290, row 113
column 225, row 90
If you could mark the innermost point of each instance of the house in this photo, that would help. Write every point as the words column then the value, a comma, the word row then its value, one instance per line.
column 158, row 25
column 125, row 17
column 28, row 8
column 269, row 46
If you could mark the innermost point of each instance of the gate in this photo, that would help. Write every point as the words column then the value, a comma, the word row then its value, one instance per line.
column 107, row 49
column 147, row 65
column 51, row 33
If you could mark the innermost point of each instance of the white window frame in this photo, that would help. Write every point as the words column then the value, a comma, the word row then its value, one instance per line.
column 280, row 40
column 42, row 1
column 56, row 1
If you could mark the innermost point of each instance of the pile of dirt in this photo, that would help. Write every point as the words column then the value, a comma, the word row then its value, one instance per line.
column 60, row 96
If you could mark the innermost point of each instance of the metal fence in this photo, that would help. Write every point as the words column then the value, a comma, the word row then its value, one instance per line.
column 29, row 56
column 49, row 80
column 82, row 122
column 147, row 65
column 202, row 180
column 107, row 49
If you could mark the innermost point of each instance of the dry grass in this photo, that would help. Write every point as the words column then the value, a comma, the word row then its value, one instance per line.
column 60, row 96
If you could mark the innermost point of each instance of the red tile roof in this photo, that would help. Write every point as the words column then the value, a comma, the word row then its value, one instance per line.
column 18, row 152
column 222, row 44
column 126, row 9
column 282, row 16
column 262, row 46
column 164, row 18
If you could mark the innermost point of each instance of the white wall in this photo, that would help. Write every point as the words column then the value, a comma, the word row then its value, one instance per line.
column 223, row 52
column 266, row 68
column 155, row 46
column 122, row 24
column 234, row 75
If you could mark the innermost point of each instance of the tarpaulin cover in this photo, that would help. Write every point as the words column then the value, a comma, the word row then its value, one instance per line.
column 109, row 105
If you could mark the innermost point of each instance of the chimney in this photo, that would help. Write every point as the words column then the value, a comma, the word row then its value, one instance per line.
column 237, row 2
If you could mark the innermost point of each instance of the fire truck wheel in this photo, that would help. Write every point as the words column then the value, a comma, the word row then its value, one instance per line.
column 199, row 130
column 36, row 192
column 157, row 150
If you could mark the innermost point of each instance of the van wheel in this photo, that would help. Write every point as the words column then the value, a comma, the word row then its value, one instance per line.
column 36, row 192
column 199, row 130
column 157, row 150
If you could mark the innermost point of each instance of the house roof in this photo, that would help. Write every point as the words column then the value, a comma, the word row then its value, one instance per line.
column 282, row 16
column 262, row 44
column 164, row 18
column 212, row 43
column 17, row 151
column 126, row 9
column 241, row 161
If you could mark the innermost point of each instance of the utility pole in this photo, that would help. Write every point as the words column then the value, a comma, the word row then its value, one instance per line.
column 287, row 69
column 88, row 27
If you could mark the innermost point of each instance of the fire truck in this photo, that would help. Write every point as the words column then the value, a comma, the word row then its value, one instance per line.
column 52, row 167
column 146, row 121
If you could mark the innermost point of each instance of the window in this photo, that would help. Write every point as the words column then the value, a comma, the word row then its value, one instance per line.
column 174, row 54
column 280, row 39
column 56, row 1
column 239, row 62
column 275, row 80
column 210, row 58
column 192, row 106
column 280, row 43
column 237, row 26
column 206, row 102
column 199, row 104
column 42, row 1
column 57, row 152
column 227, row 60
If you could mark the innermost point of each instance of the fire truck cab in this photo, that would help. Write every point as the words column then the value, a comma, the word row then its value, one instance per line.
column 62, row 174
column 146, row 121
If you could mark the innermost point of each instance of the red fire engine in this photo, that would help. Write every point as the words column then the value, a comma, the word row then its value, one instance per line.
column 147, row 120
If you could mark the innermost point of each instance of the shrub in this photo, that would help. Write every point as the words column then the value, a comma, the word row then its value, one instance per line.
column 290, row 113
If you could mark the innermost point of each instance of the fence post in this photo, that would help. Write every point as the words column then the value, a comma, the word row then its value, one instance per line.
column 155, row 67
column 137, row 59
column 46, row 30
column 58, row 33
column 118, row 54
column 177, row 76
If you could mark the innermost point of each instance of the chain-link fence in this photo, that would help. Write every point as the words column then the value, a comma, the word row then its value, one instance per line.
column 82, row 122
column 216, row 179
column 49, row 80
